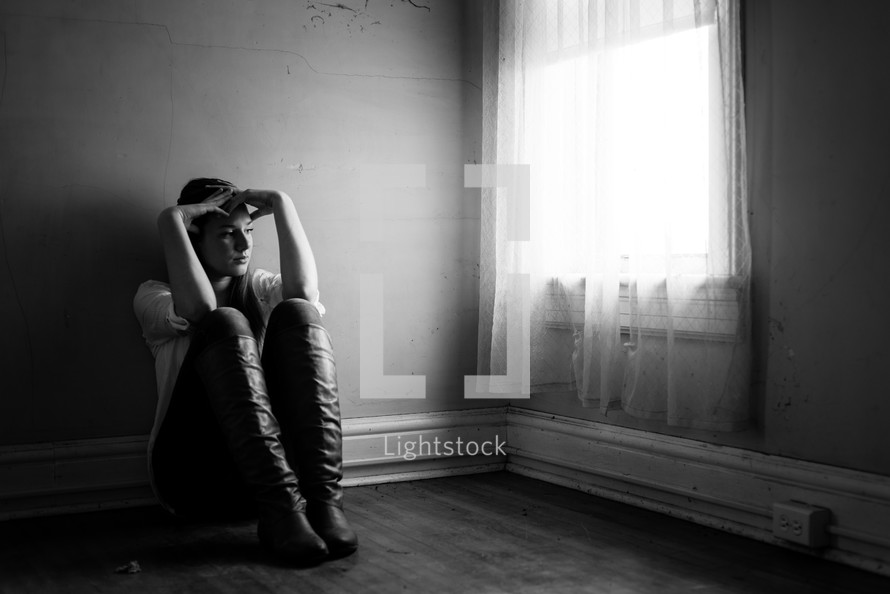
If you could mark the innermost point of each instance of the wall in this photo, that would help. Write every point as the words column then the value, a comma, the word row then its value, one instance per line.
column 107, row 108
column 818, row 94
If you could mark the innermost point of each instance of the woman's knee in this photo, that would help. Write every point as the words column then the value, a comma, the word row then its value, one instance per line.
column 294, row 312
column 224, row 322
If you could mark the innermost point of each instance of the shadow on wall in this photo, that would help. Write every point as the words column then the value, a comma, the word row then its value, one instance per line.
column 74, row 364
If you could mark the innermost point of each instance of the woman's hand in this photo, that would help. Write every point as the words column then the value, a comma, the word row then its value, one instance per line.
column 264, row 201
column 212, row 204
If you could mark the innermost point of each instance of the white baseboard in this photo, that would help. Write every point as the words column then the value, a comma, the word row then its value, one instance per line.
column 718, row 486
column 375, row 448
column 88, row 475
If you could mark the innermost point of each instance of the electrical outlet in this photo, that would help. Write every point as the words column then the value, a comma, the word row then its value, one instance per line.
column 801, row 523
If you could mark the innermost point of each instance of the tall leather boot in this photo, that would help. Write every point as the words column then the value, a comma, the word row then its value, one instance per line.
column 299, row 362
column 234, row 380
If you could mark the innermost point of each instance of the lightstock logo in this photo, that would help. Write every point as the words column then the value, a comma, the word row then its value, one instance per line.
column 415, row 446
column 373, row 383
column 509, row 185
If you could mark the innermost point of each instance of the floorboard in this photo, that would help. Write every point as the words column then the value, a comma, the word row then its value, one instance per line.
column 495, row 532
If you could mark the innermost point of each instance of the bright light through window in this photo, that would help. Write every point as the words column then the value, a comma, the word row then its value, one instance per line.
column 658, row 153
column 663, row 149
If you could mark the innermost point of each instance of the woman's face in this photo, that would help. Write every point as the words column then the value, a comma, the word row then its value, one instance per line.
column 225, row 244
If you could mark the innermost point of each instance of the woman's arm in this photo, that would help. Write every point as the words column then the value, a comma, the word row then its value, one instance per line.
column 299, row 275
column 193, row 295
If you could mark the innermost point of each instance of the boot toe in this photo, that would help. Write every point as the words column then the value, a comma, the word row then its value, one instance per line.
column 330, row 523
column 291, row 540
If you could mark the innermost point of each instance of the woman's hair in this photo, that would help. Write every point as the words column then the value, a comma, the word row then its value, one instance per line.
column 241, row 293
column 200, row 189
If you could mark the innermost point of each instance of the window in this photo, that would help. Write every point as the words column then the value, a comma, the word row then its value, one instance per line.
column 659, row 159
column 629, row 115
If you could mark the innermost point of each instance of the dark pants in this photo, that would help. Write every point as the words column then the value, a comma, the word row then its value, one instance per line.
column 194, row 472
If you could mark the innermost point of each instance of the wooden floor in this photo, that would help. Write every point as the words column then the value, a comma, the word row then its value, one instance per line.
column 482, row 533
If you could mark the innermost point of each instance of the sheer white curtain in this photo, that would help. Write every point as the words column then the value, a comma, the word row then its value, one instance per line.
column 629, row 114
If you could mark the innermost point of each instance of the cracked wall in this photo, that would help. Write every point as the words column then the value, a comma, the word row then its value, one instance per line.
column 108, row 108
